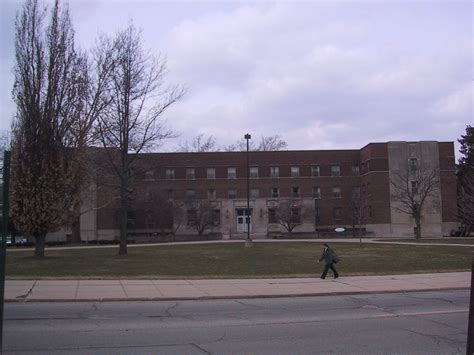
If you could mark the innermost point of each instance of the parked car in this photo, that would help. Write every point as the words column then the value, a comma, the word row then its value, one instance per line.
column 19, row 241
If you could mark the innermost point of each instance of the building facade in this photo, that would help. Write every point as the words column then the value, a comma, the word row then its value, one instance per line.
column 314, row 190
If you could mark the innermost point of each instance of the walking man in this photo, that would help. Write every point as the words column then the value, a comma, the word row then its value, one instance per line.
column 328, row 257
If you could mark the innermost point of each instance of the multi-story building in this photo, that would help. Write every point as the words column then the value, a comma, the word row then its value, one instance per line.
column 321, row 190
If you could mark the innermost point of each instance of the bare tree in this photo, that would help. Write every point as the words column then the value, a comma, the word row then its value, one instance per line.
column 201, row 215
column 200, row 143
column 47, row 96
column 289, row 214
column 272, row 143
column 95, row 96
column 133, row 121
column 177, row 210
column 267, row 143
column 358, row 206
column 411, row 189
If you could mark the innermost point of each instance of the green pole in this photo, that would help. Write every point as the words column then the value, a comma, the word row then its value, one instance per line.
column 3, row 244
column 470, row 325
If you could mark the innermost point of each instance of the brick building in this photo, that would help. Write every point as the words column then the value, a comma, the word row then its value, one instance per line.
column 321, row 189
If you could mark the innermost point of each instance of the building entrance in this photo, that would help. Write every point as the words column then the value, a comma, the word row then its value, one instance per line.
column 242, row 216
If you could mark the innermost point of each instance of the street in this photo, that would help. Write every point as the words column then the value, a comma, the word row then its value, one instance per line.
column 415, row 323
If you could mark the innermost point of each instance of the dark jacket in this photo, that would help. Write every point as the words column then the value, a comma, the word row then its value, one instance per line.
column 328, row 256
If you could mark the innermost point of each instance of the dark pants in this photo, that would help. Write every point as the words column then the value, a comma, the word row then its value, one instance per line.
column 326, row 268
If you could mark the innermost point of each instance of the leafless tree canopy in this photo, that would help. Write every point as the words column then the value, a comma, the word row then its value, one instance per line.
column 203, row 215
column 47, row 96
column 411, row 189
column 133, row 121
column 359, row 205
column 267, row 143
column 289, row 215
column 200, row 143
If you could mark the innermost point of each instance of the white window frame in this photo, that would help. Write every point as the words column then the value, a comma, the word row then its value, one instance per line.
column 295, row 171
column 211, row 173
column 275, row 172
column 232, row 173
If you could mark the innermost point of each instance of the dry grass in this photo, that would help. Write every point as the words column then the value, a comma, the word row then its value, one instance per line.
column 292, row 259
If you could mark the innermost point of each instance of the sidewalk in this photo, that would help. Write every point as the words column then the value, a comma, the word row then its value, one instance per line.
column 143, row 290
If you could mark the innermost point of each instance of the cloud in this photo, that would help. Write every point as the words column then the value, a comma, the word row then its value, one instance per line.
column 277, row 69
column 321, row 74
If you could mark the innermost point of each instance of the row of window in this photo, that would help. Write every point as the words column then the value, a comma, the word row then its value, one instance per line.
column 295, row 217
column 255, row 193
column 254, row 172
column 213, row 217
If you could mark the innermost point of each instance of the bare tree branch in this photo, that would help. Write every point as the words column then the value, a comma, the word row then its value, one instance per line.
column 133, row 120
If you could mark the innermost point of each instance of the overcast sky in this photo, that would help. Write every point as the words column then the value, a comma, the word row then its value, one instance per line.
column 323, row 75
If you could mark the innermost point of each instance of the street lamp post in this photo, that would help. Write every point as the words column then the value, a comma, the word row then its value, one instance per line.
column 248, row 241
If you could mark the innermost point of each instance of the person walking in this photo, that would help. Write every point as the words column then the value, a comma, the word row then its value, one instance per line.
column 328, row 257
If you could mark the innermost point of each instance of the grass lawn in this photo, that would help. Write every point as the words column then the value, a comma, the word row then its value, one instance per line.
column 452, row 240
column 233, row 260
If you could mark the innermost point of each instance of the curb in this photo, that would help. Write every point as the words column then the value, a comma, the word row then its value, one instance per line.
column 204, row 298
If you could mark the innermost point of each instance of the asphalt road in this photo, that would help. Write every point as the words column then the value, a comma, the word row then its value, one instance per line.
column 408, row 323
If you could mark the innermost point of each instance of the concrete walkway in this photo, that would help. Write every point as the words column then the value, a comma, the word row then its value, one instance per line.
column 134, row 290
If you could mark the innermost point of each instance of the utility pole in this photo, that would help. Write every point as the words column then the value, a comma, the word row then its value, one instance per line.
column 248, row 241
column 470, row 326
column 3, row 243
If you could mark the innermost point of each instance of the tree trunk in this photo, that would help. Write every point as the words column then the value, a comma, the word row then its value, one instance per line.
column 76, row 223
column 418, row 228
column 123, row 216
column 39, row 246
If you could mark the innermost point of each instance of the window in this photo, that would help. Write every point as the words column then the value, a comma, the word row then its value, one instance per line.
column 190, row 193
column 295, row 191
column 336, row 192
column 335, row 170
column 272, row 216
column 211, row 173
column 191, row 217
column 232, row 193
column 231, row 173
column 211, row 194
column 274, row 171
column 355, row 170
column 254, row 193
column 315, row 171
column 413, row 164
column 295, row 171
column 414, row 187
column 170, row 193
column 296, row 215
column 149, row 220
column 275, row 192
column 253, row 172
column 316, row 192
column 337, row 214
column 149, row 175
column 190, row 173
column 169, row 174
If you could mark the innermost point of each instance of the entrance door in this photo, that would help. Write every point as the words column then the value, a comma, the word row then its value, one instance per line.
column 242, row 217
